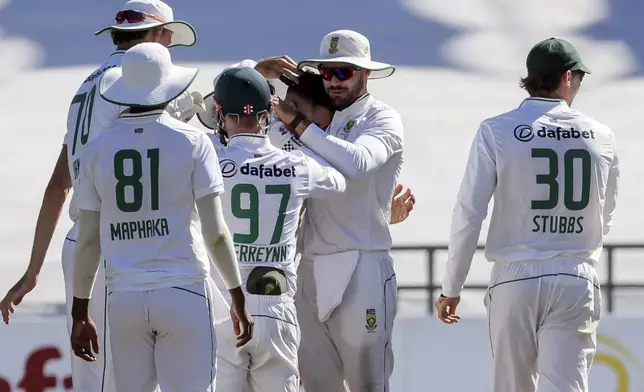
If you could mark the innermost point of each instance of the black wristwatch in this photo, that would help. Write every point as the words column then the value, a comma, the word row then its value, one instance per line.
column 296, row 121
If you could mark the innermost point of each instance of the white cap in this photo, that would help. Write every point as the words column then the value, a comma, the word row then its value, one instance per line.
column 158, row 14
column 349, row 47
column 146, row 77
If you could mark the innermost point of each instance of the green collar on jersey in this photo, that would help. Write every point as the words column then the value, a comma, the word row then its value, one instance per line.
column 151, row 113
column 539, row 101
column 248, row 138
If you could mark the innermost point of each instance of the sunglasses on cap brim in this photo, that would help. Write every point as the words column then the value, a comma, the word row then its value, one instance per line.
column 132, row 16
column 341, row 73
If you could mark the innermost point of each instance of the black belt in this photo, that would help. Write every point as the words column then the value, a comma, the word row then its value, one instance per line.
column 266, row 281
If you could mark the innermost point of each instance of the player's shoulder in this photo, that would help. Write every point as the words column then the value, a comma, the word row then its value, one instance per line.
column 378, row 109
column 94, row 77
column 588, row 123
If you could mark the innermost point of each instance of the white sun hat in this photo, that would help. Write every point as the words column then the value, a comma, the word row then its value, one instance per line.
column 156, row 13
column 348, row 47
column 146, row 77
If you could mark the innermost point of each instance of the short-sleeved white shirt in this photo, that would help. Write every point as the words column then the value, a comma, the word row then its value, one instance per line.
column 144, row 175
column 89, row 115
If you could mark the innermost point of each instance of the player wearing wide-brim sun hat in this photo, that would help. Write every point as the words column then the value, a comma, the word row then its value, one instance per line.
column 352, row 48
column 146, row 78
column 139, row 15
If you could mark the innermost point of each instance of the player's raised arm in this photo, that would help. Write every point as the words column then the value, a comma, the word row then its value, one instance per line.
column 470, row 210
column 611, row 192
column 379, row 140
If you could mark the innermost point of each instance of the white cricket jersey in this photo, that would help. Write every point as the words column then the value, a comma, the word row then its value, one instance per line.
column 266, row 188
column 89, row 115
column 365, row 143
column 553, row 173
column 144, row 175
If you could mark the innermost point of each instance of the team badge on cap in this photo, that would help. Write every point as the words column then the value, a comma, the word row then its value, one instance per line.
column 333, row 45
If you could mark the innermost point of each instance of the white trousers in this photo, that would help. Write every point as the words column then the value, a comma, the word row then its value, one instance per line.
column 95, row 376
column 163, row 337
column 353, row 346
column 542, row 318
column 268, row 363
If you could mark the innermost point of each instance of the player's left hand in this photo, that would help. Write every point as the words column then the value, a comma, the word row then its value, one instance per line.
column 283, row 111
column 273, row 67
column 84, row 339
column 16, row 294
column 242, row 320
column 446, row 309
column 402, row 205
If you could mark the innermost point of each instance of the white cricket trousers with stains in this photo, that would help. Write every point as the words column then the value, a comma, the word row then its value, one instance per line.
column 353, row 345
column 95, row 376
column 165, row 337
column 268, row 362
column 542, row 319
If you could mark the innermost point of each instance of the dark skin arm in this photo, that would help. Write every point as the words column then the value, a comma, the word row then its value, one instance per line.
column 54, row 198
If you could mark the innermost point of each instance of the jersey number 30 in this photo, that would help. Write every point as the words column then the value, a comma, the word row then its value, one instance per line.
column 252, row 212
column 550, row 179
column 133, row 180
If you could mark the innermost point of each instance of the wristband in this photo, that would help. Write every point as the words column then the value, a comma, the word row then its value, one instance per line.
column 296, row 121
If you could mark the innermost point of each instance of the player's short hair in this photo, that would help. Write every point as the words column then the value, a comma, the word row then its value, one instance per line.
column 543, row 85
column 121, row 37
column 310, row 87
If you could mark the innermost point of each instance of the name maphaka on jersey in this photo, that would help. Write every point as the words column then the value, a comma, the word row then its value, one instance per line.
column 136, row 230
column 229, row 169
column 525, row 133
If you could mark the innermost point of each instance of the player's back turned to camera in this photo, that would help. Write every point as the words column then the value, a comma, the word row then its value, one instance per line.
column 266, row 188
column 146, row 186
column 553, row 172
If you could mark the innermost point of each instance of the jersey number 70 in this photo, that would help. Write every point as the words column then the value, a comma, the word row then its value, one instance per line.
column 84, row 117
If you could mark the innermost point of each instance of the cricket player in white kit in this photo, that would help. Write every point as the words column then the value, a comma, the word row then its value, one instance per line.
column 553, row 173
column 146, row 186
column 89, row 115
column 267, row 187
column 347, row 298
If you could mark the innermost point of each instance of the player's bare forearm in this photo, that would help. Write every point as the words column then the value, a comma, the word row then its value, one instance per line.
column 52, row 205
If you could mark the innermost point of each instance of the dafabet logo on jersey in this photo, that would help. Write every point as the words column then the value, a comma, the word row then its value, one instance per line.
column 525, row 133
column 229, row 168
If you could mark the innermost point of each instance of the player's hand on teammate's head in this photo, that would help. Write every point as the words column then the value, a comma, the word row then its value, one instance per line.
column 402, row 205
column 273, row 67
column 84, row 339
column 284, row 111
column 446, row 309
column 242, row 320
column 15, row 295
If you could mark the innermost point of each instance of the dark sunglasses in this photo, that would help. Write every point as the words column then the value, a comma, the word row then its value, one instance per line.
column 134, row 17
column 341, row 73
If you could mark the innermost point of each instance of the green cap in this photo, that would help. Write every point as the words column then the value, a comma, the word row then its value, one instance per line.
column 242, row 91
column 554, row 55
